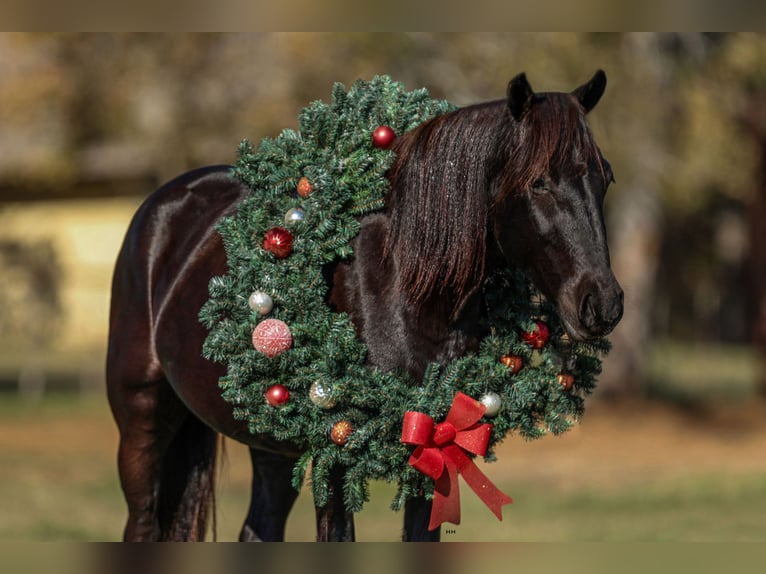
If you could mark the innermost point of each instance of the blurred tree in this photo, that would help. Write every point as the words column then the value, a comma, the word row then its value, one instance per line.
column 678, row 231
column 755, row 119
column 104, row 108
column 32, row 130
column 745, row 60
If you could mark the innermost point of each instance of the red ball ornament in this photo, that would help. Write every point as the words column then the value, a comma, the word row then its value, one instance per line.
column 277, row 395
column 340, row 432
column 304, row 187
column 383, row 137
column 279, row 241
column 565, row 380
column 272, row 337
column 513, row 362
column 538, row 337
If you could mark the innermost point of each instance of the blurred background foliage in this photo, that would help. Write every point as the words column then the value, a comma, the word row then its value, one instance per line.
column 90, row 124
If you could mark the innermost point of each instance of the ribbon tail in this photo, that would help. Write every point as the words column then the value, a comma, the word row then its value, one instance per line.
column 446, row 502
column 489, row 494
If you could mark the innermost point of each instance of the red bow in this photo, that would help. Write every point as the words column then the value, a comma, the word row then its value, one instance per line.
column 443, row 447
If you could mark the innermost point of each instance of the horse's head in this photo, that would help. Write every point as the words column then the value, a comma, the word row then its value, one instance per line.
column 547, row 215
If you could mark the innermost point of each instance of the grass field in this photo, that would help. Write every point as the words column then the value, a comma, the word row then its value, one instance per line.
column 629, row 472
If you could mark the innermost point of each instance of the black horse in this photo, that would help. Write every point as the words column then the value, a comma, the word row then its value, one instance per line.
column 516, row 182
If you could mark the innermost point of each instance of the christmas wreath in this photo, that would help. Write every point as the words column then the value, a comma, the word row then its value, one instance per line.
column 296, row 370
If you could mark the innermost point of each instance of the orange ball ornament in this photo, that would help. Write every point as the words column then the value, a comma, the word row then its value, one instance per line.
column 513, row 362
column 340, row 432
column 565, row 380
column 304, row 187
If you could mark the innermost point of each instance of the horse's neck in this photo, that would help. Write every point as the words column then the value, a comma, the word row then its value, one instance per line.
column 399, row 335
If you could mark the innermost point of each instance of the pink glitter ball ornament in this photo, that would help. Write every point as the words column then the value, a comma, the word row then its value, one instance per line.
column 272, row 337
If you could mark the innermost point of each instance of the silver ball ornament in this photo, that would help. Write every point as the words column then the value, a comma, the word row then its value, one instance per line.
column 492, row 403
column 321, row 395
column 260, row 302
column 294, row 215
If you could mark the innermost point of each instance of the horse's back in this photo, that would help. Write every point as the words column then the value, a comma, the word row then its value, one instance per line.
column 170, row 252
column 173, row 222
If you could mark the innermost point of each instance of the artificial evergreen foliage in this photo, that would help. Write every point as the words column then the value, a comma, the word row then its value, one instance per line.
column 333, row 148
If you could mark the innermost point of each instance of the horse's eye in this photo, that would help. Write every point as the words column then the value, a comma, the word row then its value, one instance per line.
column 538, row 184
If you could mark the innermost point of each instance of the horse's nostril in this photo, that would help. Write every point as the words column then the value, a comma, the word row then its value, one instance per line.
column 598, row 313
column 587, row 311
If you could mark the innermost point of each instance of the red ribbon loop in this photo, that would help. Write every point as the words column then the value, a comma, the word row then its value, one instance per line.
column 441, row 454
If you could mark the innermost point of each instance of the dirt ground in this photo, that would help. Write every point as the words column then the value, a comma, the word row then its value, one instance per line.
column 631, row 442
column 614, row 444
column 60, row 461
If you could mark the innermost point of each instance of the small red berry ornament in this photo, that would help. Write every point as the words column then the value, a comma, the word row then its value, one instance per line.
column 279, row 241
column 272, row 337
column 538, row 337
column 277, row 395
column 304, row 187
column 565, row 380
column 513, row 362
column 340, row 432
column 383, row 137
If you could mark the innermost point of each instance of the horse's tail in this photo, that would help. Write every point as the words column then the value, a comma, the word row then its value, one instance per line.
column 187, row 488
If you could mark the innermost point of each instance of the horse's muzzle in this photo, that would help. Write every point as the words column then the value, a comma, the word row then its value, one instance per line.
column 601, row 308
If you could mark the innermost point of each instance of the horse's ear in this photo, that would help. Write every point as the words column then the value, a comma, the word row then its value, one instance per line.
column 589, row 94
column 519, row 95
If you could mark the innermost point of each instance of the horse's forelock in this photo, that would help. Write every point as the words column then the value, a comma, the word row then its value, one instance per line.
column 552, row 138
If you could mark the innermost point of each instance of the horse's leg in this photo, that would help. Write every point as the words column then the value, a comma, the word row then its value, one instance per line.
column 334, row 523
column 166, row 462
column 417, row 513
column 148, row 416
column 165, row 455
column 272, row 497
column 188, row 482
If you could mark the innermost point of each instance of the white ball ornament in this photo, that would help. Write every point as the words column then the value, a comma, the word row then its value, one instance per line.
column 492, row 403
column 260, row 302
column 321, row 395
column 293, row 216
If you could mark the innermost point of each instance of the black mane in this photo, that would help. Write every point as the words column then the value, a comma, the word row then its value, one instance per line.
column 438, row 201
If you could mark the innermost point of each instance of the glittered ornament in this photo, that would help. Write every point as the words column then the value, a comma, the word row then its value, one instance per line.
column 272, row 337
column 321, row 395
column 513, row 362
column 277, row 395
column 340, row 432
column 492, row 403
column 293, row 216
column 538, row 337
column 383, row 137
column 565, row 380
column 260, row 302
column 304, row 187
column 279, row 241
